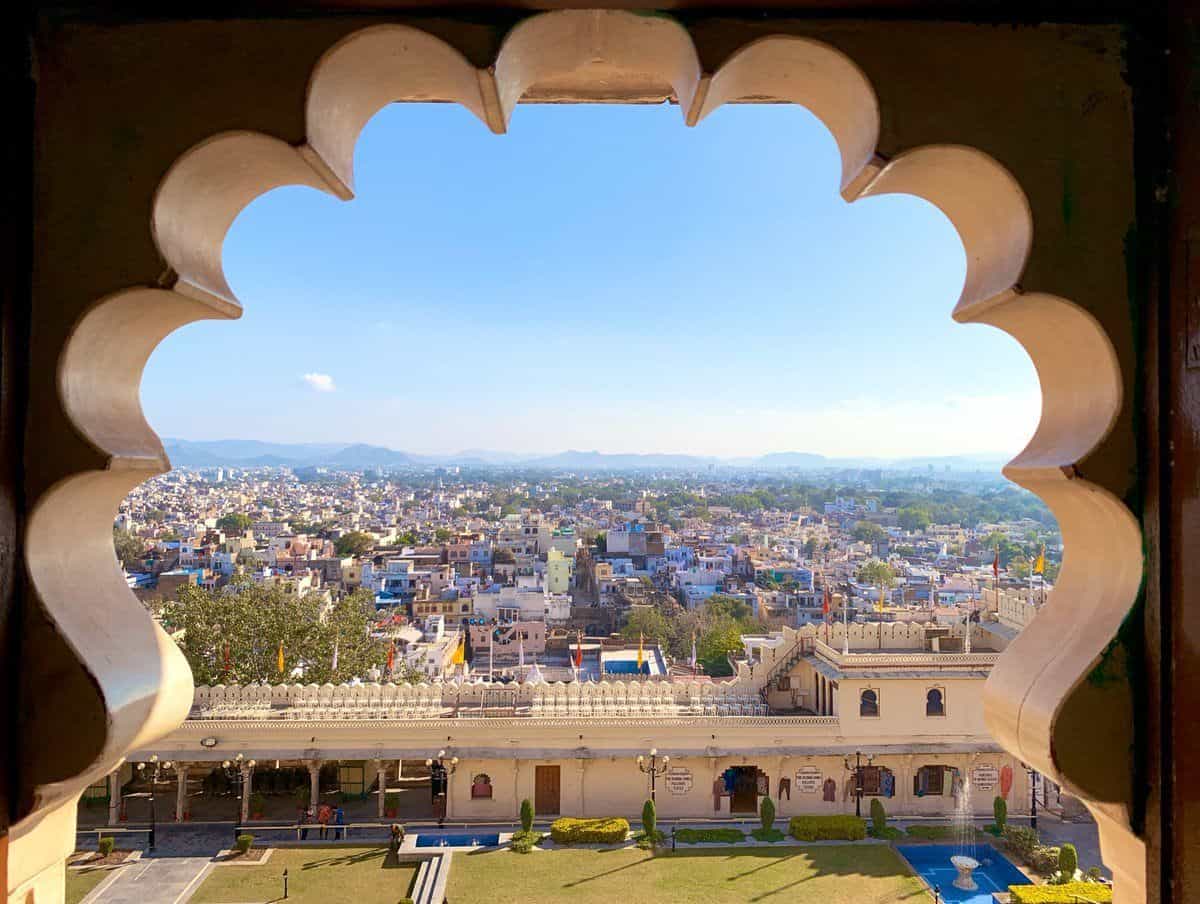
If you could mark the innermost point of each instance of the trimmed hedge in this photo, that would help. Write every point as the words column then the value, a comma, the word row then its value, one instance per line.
column 710, row 836
column 569, row 830
column 523, row 842
column 243, row 843
column 105, row 845
column 768, row 835
column 1070, row 893
column 827, row 828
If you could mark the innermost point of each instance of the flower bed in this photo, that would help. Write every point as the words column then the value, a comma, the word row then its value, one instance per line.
column 1069, row 893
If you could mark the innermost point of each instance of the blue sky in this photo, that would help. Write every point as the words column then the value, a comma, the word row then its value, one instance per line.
column 601, row 277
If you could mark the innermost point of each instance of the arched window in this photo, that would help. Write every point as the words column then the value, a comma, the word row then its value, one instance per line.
column 481, row 787
column 868, row 703
column 935, row 702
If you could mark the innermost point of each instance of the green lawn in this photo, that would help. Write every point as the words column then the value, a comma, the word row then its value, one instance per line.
column 315, row 876
column 842, row 874
column 82, row 881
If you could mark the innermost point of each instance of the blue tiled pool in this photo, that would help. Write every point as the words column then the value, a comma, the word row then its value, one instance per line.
column 464, row 840
column 932, row 862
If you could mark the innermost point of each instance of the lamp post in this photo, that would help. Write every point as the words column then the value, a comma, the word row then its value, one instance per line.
column 234, row 769
column 856, row 769
column 653, row 767
column 1033, row 783
column 440, row 770
column 154, row 777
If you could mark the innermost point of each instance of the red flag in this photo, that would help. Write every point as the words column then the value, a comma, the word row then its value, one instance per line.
column 996, row 565
column 391, row 660
column 825, row 603
column 579, row 651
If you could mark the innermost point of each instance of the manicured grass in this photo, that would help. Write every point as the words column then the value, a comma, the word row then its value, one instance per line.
column 315, row 876
column 837, row 874
column 82, row 881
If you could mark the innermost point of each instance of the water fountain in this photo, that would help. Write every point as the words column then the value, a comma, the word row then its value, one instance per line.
column 964, row 861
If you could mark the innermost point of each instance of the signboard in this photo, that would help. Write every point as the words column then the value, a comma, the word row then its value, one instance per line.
column 985, row 776
column 808, row 780
column 678, row 780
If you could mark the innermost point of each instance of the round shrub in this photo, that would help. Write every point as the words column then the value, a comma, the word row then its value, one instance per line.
column 766, row 814
column 105, row 846
column 244, row 842
column 526, row 815
column 1068, row 861
column 1000, row 813
column 649, row 818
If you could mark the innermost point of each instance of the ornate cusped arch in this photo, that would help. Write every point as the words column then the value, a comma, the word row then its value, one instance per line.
column 1046, row 701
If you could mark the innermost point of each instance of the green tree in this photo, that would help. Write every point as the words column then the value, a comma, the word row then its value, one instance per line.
column 526, row 815
column 866, row 532
column 1068, row 862
column 234, row 636
column 913, row 518
column 876, row 573
column 129, row 548
column 810, row 548
column 719, row 605
column 442, row 534
column 722, row 637
column 234, row 523
column 346, row 628
column 1000, row 813
column 354, row 543
column 649, row 819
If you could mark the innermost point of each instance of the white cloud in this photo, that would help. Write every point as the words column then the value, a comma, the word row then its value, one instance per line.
column 320, row 382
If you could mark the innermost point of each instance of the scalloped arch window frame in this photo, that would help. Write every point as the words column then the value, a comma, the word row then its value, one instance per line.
column 204, row 191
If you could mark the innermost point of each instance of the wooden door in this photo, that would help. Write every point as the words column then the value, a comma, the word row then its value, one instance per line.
column 546, row 787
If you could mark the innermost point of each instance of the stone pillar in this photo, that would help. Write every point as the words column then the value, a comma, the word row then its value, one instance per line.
column 247, row 790
column 582, row 764
column 516, row 782
column 381, row 773
column 314, row 783
column 181, row 773
column 114, row 797
column 713, row 781
column 399, row 769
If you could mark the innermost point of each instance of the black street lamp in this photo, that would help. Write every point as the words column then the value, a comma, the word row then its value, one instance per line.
column 1033, row 784
column 159, row 767
column 653, row 767
column 856, row 769
column 233, row 769
column 440, row 770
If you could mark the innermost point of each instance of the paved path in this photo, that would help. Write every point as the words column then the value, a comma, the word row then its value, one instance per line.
column 154, row 880
column 169, row 873
column 1083, row 834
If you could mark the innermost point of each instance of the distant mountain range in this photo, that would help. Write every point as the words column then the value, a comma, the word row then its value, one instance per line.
column 245, row 453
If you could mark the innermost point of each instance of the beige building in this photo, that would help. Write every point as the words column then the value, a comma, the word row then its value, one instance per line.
column 789, row 725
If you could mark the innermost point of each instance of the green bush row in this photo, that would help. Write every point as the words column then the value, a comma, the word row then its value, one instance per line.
column 1070, row 893
column 827, row 828
column 709, row 836
column 932, row 833
column 569, row 830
